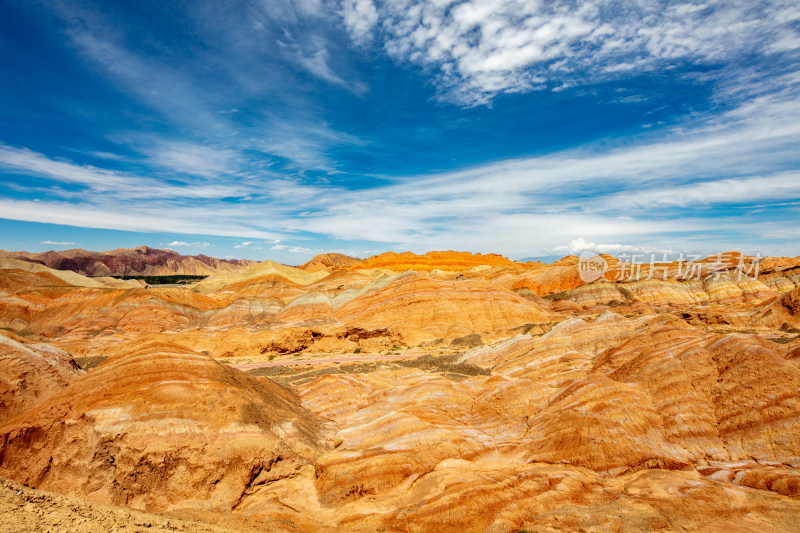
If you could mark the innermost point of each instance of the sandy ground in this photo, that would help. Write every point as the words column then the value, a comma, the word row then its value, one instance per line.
column 27, row 510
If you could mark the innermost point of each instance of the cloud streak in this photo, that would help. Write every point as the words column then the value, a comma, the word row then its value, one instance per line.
column 184, row 244
column 260, row 129
column 592, row 192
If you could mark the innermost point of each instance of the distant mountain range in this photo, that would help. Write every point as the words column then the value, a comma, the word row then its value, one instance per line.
column 140, row 261
column 146, row 261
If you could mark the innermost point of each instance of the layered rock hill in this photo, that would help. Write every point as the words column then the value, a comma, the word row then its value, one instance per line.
column 259, row 270
column 445, row 392
column 140, row 261
column 20, row 274
column 614, row 413
column 330, row 262
column 160, row 428
column 442, row 307
column 449, row 261
column 782, row 313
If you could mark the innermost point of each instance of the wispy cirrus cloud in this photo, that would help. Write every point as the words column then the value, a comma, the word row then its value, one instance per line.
column 256, row 52
column 184, row 244
column 158, row 217
column 314, row 57
column 254, row 120
column 776, row 187
column 104, row 181
column 648, row 191
column 194, row 159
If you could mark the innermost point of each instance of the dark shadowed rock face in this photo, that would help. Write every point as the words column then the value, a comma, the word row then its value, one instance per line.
column 144, row 261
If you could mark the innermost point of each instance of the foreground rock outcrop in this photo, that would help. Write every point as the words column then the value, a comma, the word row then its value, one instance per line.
column 30, row 373
column 158, row 429
column 35, row 511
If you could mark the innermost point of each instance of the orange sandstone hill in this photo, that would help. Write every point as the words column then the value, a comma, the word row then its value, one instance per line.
column 141, row 261
column 30, row 373
column 159, row 428
column 442, row 392
column 444, row 308
column 330, row 262
column 449, row 261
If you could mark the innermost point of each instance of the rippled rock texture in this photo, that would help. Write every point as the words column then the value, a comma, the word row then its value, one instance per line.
column 438, row 392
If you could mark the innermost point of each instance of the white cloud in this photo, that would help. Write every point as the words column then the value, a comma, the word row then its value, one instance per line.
column 729, row 191
column 360, row 16
column 484, row 47
column 646, row 192
column 226, row 76
column 600, row 194
column 292, row 249
column 304, row 145
column 119, row 184
column 314, row 57
column 36, row 164
column 579, row 245
column 181, row 244
column 155, row 218
column 58, row 243
column 300, row 250
column 194, row 159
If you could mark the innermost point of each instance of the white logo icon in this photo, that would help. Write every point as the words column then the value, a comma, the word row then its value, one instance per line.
column 591, row 266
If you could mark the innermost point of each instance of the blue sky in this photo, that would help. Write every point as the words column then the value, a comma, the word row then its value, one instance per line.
column 280, row 129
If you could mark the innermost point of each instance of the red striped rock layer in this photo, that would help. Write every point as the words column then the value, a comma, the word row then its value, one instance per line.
column 666, row 396
column 441, row 306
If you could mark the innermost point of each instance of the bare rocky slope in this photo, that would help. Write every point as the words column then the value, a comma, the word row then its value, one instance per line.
column 140, row 261
column 470, row 394
column 330, row 262
column 36, row 511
